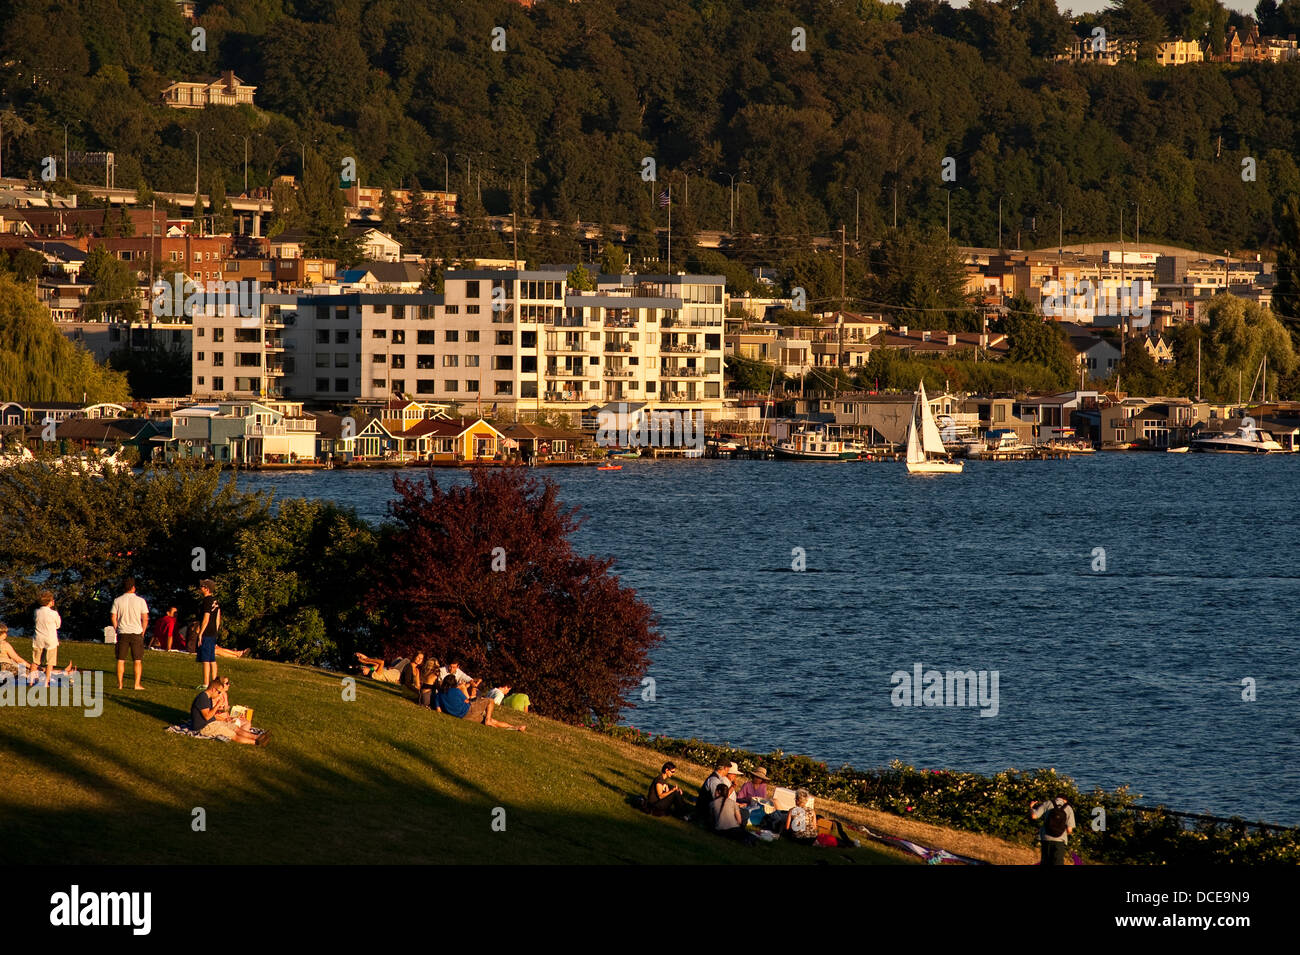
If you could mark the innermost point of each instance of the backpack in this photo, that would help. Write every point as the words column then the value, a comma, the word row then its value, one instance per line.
column 1057, row 821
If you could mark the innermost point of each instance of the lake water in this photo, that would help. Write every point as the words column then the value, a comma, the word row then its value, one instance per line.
column 1130, row 676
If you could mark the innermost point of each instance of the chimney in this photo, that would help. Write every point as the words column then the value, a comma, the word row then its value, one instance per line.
column 229, row 77
column 952, row 339
column 902, row 330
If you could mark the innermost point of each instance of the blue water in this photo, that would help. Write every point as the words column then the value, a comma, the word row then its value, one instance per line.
column 1131, row 676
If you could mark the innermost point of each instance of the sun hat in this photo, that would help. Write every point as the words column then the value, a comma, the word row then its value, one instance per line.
column 759, row 773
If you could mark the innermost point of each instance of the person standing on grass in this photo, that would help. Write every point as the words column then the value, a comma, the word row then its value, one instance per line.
column 1054, row 834
column 209, row 624
column 46, row 638
column 130, row 618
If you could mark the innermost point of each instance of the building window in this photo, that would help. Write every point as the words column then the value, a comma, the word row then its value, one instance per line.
column 471, row 385
column 341, row 360
column 528, row 364
column 399, row 337
column 471, row 290
column 399, row 385
column 200, row 357
column 471, row 310
column 323, row 360
column 340, row 385
column 399, row 361
column 528, row 389
column 505, row 388
column 425, row 386
column 322, row 384
column 452, row 310
column 218, row 359
column 399, row 312
column 379, row 359
column 429, row 337
column 505, row 362
column 505, row 338
column 450, row 361
column 341, row 336
column 322, row 337
column 200, row 379
column 376, row 384
column 450, row 384
column 452, row 335
column 426, row 361
column 472, row 336
column 218, row 334
column 379, row 333
column 248, row 359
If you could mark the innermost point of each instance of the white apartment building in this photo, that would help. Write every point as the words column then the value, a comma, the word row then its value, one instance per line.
column 516, row 339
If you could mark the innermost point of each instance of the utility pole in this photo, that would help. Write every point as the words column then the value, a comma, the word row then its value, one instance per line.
column 245, row 165
column 895, row 206
column 1060, row 234
column 66, row 174
column 857, row 206
column 514, row 233
column 999, row 223
column 1123, row 338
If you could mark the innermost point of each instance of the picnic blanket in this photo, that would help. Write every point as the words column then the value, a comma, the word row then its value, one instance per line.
column 931, row 856
column 183, row 729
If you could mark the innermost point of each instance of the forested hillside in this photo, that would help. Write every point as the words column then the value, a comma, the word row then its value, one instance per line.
column 710, row 88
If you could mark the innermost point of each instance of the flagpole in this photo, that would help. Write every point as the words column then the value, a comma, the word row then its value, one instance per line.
column 670, row 228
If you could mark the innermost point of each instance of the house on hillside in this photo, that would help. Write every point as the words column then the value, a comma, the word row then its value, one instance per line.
column 224, row 90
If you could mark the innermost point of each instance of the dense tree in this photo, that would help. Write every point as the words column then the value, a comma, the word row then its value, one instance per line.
column 921, row 275
column 79, row 535
column 114, row 291
column 486, row 574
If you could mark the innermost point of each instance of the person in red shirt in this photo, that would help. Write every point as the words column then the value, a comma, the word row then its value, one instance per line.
column 164, row 631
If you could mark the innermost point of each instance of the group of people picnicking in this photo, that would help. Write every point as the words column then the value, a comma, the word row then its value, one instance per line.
column 446, row 688
column 742, row 810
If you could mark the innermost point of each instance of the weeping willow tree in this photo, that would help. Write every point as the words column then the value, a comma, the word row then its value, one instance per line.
column 1241, row 334
column 38, row 364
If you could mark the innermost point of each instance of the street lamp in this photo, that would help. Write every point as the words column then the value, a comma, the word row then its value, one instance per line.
column 857, row 207
column 731, row 199
column 446, row 170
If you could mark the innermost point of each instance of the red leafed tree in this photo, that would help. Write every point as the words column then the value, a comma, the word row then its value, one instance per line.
column 485, row 573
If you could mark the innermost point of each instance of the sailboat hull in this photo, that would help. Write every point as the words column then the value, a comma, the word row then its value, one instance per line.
column 934, row 467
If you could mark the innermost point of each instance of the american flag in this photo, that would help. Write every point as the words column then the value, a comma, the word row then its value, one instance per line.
column 664, row 198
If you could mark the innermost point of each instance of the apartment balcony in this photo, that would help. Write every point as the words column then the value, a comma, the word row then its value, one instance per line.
column 559, row 396
column 678, row 396
column 619, row 372
column 575, row 348
column 621, row 323
column 504, row 318
column 683, row 323
column 682, row 349
column 681, row 373
column 566, row 373
column 274, row 368
column 618, row 346
column 274, row 344
column 563, row 322
column 273, row 321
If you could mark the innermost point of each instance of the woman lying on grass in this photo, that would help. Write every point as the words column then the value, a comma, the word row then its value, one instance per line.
column 11, row 660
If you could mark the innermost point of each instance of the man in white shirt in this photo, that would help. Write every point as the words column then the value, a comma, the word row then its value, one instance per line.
column 130, row 619
column 453, row 669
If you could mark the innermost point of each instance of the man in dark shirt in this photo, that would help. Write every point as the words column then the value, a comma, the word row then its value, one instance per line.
column 209, row 622
column 206, row 718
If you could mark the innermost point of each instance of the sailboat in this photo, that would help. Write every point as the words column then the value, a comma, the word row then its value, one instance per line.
column 925, row 442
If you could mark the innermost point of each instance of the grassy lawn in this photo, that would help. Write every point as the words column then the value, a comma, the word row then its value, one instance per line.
column 378, row 780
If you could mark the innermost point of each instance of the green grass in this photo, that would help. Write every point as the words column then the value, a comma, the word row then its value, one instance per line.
column 377, row 780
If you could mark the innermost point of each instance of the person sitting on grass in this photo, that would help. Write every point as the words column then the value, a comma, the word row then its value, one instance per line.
column 666, row 799
column 10, row 659
column 801, row 823
column 516, row 701
column 753, row 790
column 209, row 718
column 453, row 699
column 428, row 682
column 377, row 669
column 727, row 820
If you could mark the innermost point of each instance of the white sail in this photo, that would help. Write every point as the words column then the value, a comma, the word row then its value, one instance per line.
column 914, row 452
column 931, row 442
